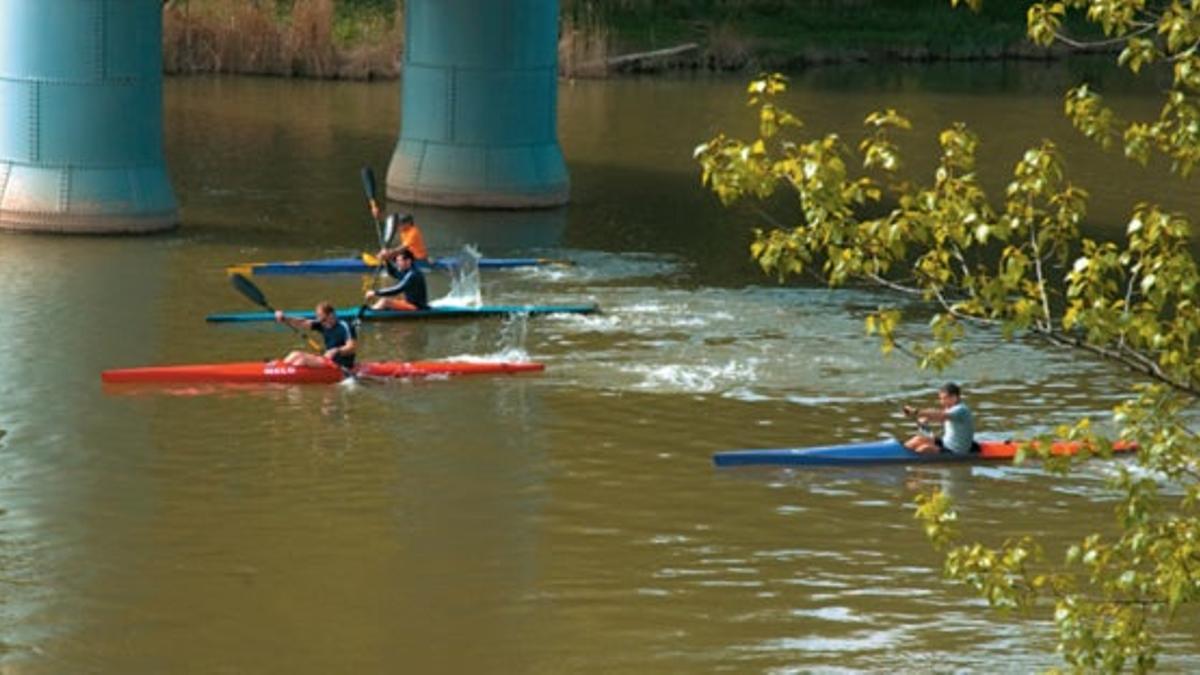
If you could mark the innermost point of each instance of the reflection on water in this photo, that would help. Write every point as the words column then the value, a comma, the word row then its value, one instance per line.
column 500, row 233
column 567, row 521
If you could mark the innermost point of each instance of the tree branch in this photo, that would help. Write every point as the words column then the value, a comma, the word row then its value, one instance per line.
column 1125, row 356
column 1041, row 279
column 1080, row 44
column 887, row 283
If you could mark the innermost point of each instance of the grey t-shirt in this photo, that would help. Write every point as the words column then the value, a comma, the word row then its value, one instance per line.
column 958, row 431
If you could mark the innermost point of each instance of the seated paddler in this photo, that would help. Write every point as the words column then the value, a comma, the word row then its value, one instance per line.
column 410, row 236
column 958, row 424
column 341, row 340
column 408, row 293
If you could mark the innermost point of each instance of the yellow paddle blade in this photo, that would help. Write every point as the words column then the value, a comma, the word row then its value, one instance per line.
column 370, row 260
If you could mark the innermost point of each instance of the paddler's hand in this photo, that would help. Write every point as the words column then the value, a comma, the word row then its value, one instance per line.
column 330, row 353
column 371, row 295
column 909, row 411
column 279, row 315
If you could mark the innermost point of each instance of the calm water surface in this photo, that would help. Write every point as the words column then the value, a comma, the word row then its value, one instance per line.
column 564, row 522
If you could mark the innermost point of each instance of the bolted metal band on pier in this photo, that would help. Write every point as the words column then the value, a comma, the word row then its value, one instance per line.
column 479, row 106
column 81, row 137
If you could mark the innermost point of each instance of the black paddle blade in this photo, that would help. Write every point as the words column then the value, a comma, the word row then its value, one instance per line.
column 248, row 289
column 368, row 181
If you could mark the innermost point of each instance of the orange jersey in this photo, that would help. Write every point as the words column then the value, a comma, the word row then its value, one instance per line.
column 411, row 239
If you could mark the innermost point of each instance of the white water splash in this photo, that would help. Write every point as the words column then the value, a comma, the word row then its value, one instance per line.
column 694, row 378
column 465, row 290
column 512, row 355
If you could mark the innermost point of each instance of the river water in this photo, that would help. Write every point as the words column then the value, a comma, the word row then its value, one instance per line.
column 569, row 521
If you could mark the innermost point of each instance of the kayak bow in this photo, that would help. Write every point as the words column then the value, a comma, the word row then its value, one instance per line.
column 276, row 371
column 448, row 312
column 881, row 452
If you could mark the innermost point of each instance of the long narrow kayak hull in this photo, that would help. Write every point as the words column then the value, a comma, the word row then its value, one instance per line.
column 275, row 371
column 357, row 266
column 881, row 452
column 431, row 313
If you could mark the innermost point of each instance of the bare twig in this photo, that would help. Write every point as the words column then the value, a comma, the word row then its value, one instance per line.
column 1098, row 44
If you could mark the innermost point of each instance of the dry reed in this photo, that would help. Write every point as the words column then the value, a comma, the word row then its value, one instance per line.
column 236, row 36
column 583, row 45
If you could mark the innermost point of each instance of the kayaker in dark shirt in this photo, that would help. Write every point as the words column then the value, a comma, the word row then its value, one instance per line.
column 408, row 293
column 958, row 425
column 341, row 340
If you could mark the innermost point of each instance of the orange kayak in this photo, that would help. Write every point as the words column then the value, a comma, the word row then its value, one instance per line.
column 1008, row 449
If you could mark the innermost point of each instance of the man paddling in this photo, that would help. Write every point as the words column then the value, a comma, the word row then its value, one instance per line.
column 341, row 340
column 408, row 293
column 410, row 236
column 958, row 424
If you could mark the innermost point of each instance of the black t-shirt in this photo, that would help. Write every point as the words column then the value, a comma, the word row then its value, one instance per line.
column 410, row 282
column 341, row 333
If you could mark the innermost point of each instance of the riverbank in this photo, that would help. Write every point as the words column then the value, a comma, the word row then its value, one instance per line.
column 307, row 38
column 364, row 39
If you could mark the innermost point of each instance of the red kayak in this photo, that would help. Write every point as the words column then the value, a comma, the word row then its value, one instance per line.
column 276, row 371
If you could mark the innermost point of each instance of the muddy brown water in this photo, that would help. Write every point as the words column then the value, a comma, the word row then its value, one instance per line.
column 569, row 521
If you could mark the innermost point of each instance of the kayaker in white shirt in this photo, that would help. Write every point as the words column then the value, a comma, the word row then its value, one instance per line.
column 958, row 424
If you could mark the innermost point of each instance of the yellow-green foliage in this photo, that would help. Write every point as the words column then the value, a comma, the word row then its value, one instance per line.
column 1018, row 264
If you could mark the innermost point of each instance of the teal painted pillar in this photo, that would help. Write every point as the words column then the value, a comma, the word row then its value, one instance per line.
column 81, row 138
column 478, row 125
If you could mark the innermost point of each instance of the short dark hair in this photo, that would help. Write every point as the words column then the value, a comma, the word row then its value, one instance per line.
column 326, row 307
column 406, row 218
column 407, row 254
column 951, row 389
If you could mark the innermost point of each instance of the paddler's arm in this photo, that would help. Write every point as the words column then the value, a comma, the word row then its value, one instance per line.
column 388, row 254
column 302, row 324
column 401, row 285
column 347, row 349
column 926, row 414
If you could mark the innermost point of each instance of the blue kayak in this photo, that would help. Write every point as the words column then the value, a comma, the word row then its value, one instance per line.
column 888, row 451
column 431, row 313
column 357, row 266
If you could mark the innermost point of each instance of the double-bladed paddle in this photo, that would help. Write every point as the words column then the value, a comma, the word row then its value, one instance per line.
column 385, row 234
column 255, row 295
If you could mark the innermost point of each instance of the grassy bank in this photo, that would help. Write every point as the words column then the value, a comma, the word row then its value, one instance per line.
column 363, row 38
column 291, row 38
column 766, row 34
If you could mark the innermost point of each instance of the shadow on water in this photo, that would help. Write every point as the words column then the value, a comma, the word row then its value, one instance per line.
column 501, row 233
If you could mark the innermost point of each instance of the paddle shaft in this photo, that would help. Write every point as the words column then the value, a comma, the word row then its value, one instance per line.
column 368, row 181
column 255, row 295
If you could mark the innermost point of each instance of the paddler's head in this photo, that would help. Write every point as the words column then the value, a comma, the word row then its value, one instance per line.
column 949, row 394
column 326, row 314
column 406, row 258
column 406, row 220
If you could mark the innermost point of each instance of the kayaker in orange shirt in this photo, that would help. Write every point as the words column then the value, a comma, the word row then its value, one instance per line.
column 410, row 236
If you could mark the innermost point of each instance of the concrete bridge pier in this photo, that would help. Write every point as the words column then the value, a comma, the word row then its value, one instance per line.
column 81, row 132
column 479, row 106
